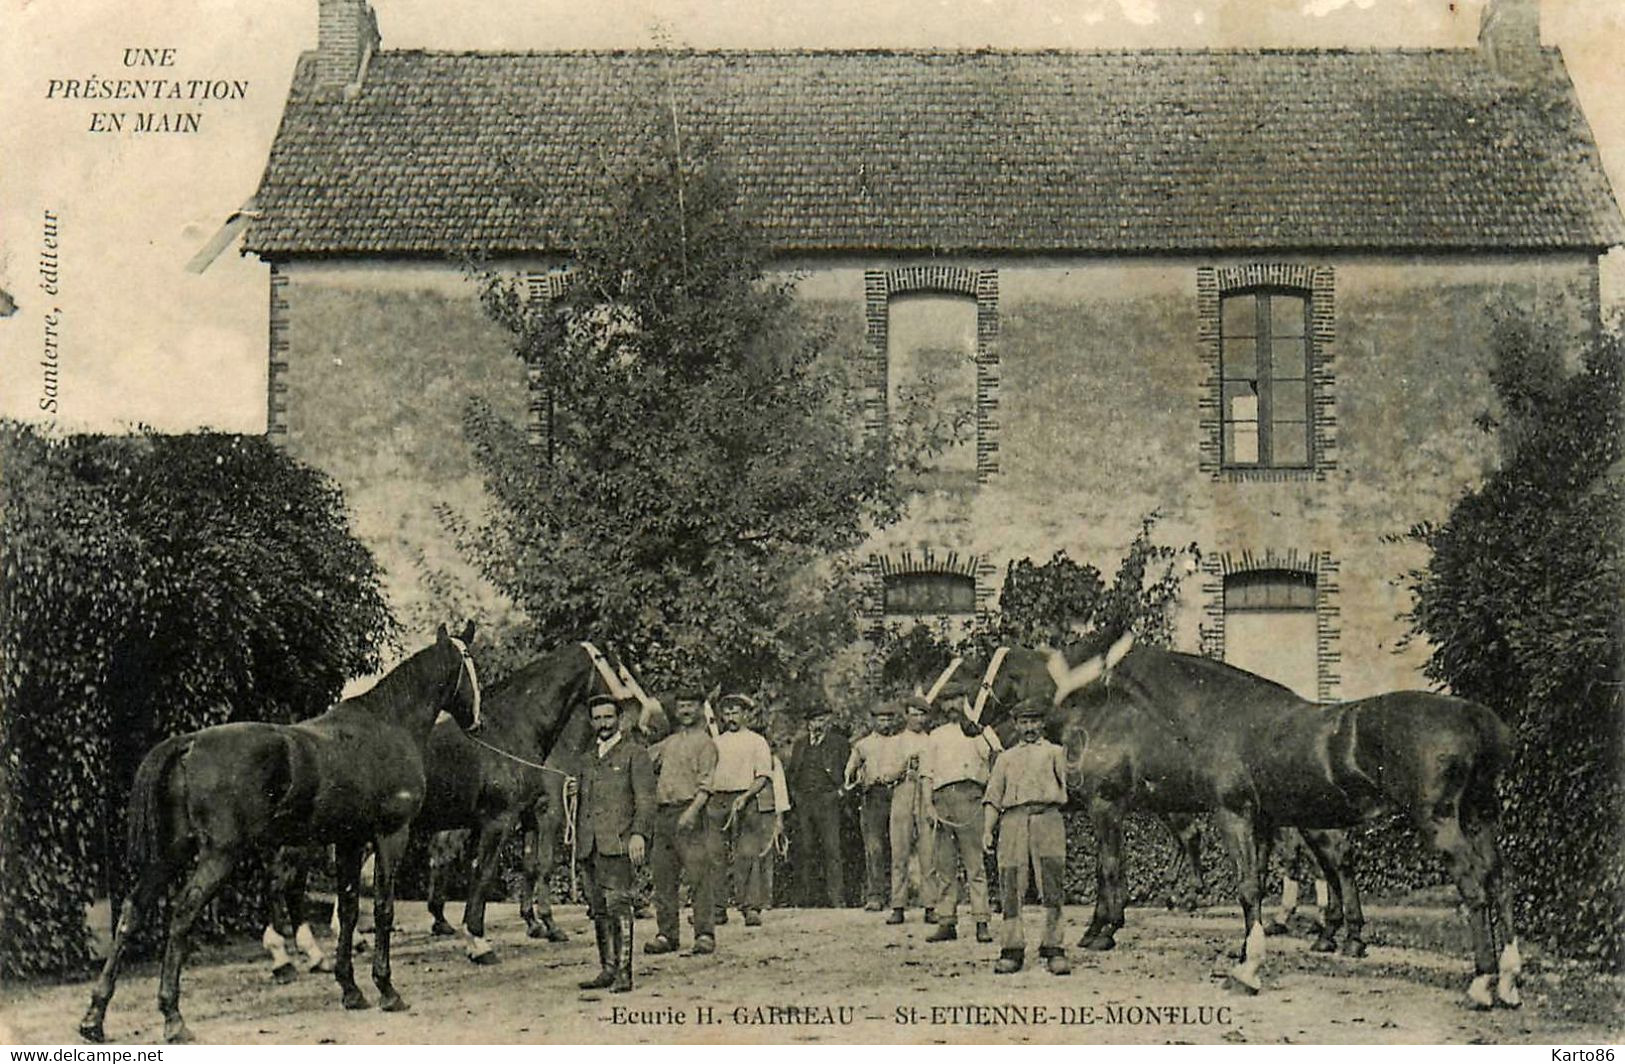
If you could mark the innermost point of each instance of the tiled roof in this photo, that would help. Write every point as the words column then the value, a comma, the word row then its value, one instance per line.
column 1120, row 152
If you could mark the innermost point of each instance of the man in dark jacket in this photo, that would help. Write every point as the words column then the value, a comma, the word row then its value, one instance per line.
column 613, row 824
column 817, row 761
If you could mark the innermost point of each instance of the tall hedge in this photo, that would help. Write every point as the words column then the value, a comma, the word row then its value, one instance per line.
column 151, row 585
column 1523, row 601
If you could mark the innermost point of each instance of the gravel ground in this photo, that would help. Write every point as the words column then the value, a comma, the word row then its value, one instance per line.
column 854, row 979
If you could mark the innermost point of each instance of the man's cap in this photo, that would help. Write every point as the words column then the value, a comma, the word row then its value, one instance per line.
column 908, row 702
column 687, row 693
column 957, row 687
column 746, row 701
column 603, row 698
column 1031, row 707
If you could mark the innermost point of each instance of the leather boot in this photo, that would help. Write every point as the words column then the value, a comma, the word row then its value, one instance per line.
column 1010, row 961
column 943, row 932
column 621, row 948
column 606, row 973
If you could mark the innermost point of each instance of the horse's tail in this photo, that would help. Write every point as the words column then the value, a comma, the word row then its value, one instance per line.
column 144, row 828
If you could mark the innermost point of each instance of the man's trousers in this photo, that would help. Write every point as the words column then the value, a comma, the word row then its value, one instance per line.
column 696, row 853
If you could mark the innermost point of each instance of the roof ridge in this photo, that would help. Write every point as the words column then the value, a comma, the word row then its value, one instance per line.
column 885, row 51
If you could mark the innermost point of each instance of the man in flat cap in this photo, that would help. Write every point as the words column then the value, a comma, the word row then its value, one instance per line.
column 874, row 768
column 1025, row 793
column 739, row 811
column 954, row 771
column 911, row 836
column 613, row 824
column 817, row 760
column 684, row 844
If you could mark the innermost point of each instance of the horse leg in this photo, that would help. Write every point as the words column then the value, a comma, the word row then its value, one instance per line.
column 480, row 874
column 1480, row 816
column 286, row 867
column 387, row 853
column 212, row 868
column 135, row 909
column 1187, row 852
column 1239, row 829
column 348, row 859
column 1107, row 819
column 444, row 848
column 1468, row 868
column 303, row 936
column 541, row 826
column 1330, row 849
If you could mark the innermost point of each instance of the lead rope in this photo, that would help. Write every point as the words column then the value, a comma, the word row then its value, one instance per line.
column 572, row 801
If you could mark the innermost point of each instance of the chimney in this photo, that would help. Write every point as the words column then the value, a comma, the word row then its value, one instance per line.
column 1509, row 38
column 346, row 38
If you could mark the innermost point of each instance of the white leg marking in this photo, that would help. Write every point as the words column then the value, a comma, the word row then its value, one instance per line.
column 276, row 946
column 306, row 941
column 1506, row 987
column 1289, row 899
column 1479, row 992
column 477, row 946
column 1246, row 973
column 1323, row 894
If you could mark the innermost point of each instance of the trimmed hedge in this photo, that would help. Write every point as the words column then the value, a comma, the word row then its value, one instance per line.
column 151, row 585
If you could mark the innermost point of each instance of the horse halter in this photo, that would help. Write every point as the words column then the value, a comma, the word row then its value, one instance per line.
column 473, row 680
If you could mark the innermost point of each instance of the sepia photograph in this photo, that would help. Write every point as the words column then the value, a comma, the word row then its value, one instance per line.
column 951, row 522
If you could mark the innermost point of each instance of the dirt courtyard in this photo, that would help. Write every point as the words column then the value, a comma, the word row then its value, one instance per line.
column 825, row 976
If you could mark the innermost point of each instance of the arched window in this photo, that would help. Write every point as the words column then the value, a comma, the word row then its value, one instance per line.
column 929, row 594
column 931, row 371
column 1270, row 628
column 1266, row 402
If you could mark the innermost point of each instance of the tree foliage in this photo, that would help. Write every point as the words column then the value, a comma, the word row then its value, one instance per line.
column 151, row 585
column 1522, row 600
column 703, row 483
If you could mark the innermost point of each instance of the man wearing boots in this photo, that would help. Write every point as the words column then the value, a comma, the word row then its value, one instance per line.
column 954, row 772
column 1025, row 792
column 613, row 824
column 683, row 840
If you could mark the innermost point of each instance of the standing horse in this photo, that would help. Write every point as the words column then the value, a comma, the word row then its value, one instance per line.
column 534, row 720
column 1177, row 733
column 350, row 776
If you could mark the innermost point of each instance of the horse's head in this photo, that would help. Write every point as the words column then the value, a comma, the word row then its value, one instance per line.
column 462, row 698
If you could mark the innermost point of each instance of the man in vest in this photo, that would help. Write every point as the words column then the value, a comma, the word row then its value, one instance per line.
column 685, row 762
column 954, row 772
column 817, row 761
column 613, row 824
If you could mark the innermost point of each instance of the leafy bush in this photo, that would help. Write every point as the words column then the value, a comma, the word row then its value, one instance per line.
column 1523, row 602
column 151, row 585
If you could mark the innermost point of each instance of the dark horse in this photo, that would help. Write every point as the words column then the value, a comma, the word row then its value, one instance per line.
column 535, row 722
column 1176, row 733
column 351, row 776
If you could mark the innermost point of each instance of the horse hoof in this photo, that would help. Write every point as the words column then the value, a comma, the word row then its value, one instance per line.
column 1478, row 994
column 1353, row 947
column 393, row 1003
column 355, row 1000
column 92, row 1032
column 179, row 1034
column 1277, row 928
column 1508, row 997
column 284, row 973
column 535, row 931
column 441, row 927
column 323, row 965
column 1098, row 942
column 1246, row 982
column 1323, row 944
column 486, row 959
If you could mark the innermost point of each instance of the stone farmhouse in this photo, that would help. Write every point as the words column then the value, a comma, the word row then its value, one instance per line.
column 1249, row 289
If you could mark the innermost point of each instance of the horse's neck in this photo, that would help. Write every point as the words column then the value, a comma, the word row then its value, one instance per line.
column 407, row 698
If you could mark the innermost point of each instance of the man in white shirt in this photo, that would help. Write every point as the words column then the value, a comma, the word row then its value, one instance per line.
column 741, row 809
column 954, row 772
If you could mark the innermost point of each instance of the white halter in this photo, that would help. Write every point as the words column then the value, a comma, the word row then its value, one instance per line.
column 473, row 677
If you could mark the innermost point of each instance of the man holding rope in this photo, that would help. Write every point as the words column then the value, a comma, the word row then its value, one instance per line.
column 613, row 822
column 953, row 779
